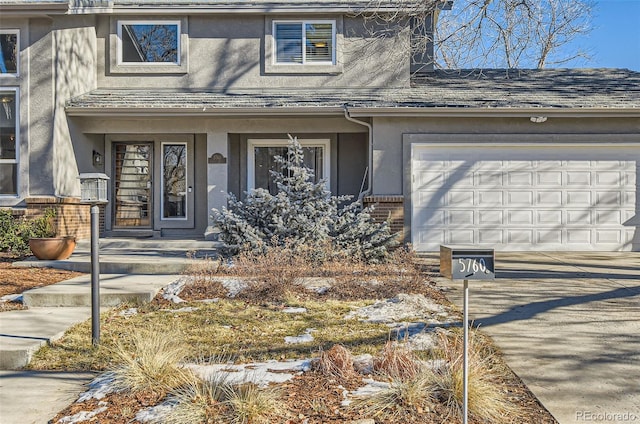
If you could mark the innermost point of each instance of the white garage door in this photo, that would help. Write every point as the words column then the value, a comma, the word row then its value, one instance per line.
column 514, row 197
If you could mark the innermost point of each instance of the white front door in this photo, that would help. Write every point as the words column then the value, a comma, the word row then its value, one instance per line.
column 524, row 197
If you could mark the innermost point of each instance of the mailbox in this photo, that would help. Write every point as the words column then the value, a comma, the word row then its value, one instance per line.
column 467, row 263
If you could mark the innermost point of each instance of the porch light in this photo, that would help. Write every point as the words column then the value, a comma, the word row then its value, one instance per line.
column 93, row 191
column 93, row 188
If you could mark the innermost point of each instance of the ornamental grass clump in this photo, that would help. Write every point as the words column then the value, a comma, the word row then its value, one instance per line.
column 150, row 362
column 487, row 399
column 304, row 215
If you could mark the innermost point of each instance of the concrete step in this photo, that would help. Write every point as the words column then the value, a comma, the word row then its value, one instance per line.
column 134, row 256
column 114, row 290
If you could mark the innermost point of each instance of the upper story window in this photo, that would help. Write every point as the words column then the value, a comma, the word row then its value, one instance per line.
column 9, row 49
column 304, row 42
column 9, row 141
column 149, row 42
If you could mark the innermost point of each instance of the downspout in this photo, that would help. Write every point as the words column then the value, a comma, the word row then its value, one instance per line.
column 348, row 117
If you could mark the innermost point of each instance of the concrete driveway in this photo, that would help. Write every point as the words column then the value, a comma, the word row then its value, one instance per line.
column 569, row 326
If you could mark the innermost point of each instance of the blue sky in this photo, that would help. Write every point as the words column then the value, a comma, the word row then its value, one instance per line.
column 615, row 39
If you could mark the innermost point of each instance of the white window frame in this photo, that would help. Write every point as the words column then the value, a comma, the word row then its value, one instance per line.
column 17, row 73
column 303, row 24
column 15, row 161
column 186, row 176
column 251, row 157
column 121, row 23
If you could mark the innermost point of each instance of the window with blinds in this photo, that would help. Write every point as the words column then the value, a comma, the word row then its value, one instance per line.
column 304, row 42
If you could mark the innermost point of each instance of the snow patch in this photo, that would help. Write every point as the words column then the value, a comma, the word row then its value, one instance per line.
column 99, row 387
column 260, row 373
column 82, row 416
column 128, row 312
column 292, row 310
column 304, row 338
column 400, row 308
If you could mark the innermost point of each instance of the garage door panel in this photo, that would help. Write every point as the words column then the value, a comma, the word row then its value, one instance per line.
column 488, row 178
column 609, row 236
column 608, row 198
column 459, row 198
column 579, row 179
column 520, row 236
column 490, row 198
column 609, row 217
column 461, row 237
column 548, row 236
column 579, row 217
column 491, row 236
column 491, row 217
column 521, row 198
column 519, row 178
column 549, row 198
column 460, row 217
column 609, row 179
column 520, row 217
column 578, row 236
column 578, row 198
column 548, row 178
column 549, row 217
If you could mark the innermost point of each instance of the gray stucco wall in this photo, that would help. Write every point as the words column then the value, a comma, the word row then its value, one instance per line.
column 57, row 60
column 229, row 51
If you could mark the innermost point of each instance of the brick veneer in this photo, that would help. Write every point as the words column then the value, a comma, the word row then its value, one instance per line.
column 388, row 208
column 72, row 218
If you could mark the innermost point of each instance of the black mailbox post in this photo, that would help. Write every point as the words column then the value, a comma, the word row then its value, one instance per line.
column 467, row 263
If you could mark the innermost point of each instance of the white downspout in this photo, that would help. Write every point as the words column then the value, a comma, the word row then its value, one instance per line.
column 348, row 117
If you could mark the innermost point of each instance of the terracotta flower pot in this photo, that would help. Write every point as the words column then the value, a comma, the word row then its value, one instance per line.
column 53, row 248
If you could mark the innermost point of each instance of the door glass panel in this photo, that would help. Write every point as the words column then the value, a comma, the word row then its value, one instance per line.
column 174, row 176
column 132, row 185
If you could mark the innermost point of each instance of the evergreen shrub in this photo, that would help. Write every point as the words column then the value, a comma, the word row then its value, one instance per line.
column 302, row 214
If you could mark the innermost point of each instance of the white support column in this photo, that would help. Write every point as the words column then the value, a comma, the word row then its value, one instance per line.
column 217, row 163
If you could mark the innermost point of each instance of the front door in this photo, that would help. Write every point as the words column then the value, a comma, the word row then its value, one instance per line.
column 133, row 192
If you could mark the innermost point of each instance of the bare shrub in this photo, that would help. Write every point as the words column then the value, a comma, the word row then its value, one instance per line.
column 396, row 362
column 336, row 362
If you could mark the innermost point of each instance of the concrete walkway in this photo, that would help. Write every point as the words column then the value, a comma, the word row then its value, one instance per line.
column 138, row 269
column 569, row 326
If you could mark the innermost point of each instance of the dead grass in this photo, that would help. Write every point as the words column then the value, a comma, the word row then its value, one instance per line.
column 149, row 362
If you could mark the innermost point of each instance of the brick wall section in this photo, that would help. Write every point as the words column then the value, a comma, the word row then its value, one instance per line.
column 72, row 218
column 390, row 209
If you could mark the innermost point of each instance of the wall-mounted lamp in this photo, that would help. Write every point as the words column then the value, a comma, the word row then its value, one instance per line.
column 538, row 119
column 97, row 158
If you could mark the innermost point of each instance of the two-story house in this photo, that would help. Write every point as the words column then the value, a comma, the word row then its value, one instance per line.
column 182, row 102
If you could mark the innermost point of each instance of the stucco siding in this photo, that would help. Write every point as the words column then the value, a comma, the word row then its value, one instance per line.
column 226, row 51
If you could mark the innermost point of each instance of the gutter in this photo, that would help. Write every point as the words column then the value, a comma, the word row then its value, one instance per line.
column 496, row 112
column 348, row 117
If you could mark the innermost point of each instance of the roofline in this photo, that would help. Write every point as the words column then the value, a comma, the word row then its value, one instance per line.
column 247, row 8
column 203, row 111
column 35, row 8
column 360, row 112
